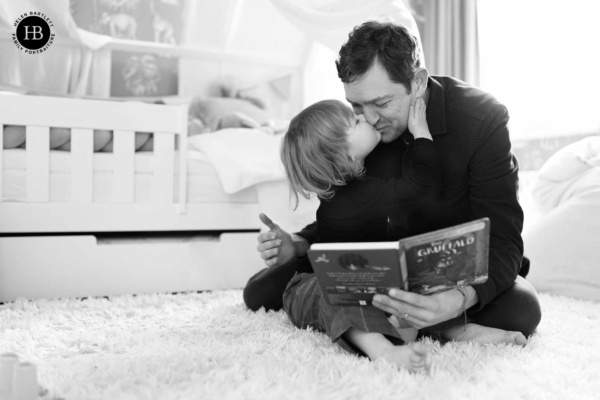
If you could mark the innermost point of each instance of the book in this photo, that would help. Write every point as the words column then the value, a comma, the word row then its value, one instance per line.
column 351, row 273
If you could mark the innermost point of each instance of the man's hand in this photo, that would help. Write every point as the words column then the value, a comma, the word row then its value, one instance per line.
column 278, row 247
column 422, row 311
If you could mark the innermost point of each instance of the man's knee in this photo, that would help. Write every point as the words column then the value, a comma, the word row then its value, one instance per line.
column 266, row 287
column 529, row 312
column 260, row 292
column 517, row 309
column 252, row 295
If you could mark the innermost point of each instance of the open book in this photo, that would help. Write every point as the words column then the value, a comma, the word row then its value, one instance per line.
column 351, row 273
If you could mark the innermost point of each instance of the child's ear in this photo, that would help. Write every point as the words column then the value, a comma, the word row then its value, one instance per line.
column 420, row 82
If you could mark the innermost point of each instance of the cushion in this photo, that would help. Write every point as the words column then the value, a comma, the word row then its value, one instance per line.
column 223, row 112
column 562, row 243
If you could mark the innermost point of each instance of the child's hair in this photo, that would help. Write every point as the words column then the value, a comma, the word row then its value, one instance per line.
column 315, row 153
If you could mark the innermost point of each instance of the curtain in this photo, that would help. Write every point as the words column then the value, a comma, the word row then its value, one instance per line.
column 330, row 22
column 66, row 68
column 450, row 37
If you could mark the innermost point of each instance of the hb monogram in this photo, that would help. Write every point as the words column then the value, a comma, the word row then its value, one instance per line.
column 35, row 31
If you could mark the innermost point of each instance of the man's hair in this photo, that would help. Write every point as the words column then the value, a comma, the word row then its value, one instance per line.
column 315, row 152
column 392, row 44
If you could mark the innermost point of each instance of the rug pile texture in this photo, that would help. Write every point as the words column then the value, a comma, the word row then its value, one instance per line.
column 209, row 346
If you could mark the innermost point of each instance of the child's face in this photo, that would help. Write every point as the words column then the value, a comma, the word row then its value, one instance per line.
column 362, row 137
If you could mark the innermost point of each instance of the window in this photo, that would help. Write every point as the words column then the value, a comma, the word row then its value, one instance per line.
column 541, row 58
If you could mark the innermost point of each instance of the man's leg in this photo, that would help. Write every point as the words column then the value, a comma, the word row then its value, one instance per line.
column 517, row 309
column 266, row 287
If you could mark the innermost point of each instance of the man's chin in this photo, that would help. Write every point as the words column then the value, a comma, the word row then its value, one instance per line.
column 388, row 135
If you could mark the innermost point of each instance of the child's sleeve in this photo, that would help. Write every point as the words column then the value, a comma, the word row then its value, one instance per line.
column 421, row 177
column 359, row 210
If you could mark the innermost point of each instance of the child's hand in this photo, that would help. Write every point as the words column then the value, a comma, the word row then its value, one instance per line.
column 417, row 120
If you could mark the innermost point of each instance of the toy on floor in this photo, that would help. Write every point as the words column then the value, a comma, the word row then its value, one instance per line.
column 18, row 380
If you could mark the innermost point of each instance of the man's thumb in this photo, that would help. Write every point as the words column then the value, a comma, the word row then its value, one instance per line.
column 264, row 218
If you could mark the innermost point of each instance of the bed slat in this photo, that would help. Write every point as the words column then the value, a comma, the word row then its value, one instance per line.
column 82, row 165
column 1, row 162
column 37, row 146
column 164, row 158
column 182, row 143
column 124, row 167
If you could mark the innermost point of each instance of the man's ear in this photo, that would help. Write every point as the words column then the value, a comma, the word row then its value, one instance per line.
column 420, row 82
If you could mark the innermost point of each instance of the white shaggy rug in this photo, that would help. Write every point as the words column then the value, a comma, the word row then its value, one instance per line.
column 208, row 346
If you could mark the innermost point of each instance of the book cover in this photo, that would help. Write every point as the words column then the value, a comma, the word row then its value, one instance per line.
column 351, row 273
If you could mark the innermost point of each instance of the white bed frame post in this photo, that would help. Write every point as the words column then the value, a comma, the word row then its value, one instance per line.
column 183, row 145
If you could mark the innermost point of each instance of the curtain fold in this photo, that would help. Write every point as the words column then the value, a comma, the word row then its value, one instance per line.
column 450, row 38
column 330, row 22
column 66, row 68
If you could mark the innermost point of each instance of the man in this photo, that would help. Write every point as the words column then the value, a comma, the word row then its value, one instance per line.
column 382, row 76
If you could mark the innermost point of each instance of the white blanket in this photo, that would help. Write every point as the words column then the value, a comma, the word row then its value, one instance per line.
column 242, row 157
column 250, row 157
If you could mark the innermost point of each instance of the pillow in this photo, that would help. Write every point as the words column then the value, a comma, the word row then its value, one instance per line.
column 562, row 243
column 219, row 112
column 566, row 173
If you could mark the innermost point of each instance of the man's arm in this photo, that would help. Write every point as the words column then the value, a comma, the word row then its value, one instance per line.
column 493, row 183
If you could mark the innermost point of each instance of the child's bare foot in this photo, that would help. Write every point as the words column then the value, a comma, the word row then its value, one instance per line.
column 414, row 357
column 483, row 334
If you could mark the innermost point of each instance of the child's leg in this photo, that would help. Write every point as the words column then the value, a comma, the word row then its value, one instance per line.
column 414, row 357
column 482, row 334
column 351, row 327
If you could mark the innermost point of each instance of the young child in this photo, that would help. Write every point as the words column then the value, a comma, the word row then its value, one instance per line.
column 323, row 153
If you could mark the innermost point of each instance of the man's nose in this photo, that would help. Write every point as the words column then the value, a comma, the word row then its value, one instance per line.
column 371, row 117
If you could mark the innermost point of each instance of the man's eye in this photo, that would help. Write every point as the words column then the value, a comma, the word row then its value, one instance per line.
column 382, row 104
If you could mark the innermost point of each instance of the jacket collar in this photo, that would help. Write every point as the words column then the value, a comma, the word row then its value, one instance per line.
column 436, row 106
column 436, row 115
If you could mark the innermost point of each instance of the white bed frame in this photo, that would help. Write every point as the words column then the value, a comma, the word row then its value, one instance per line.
column 83, row 248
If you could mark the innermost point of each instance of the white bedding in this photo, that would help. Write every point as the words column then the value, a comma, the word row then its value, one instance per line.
column 242, row 157
column 245, row 158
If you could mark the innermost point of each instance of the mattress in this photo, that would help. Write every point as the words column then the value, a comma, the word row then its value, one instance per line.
column 204, row 185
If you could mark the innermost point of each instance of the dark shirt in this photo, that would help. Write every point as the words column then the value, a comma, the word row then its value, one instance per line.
column 479, row 177
column 359, row 210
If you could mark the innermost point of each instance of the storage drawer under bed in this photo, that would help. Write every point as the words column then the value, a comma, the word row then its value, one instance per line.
column 103, row 265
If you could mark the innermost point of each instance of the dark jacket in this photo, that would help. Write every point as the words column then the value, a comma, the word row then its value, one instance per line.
column 479, row 177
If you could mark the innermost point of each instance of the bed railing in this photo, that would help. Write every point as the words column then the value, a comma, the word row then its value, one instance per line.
column 167, row 123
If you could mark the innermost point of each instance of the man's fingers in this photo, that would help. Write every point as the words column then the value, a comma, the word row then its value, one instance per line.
column 268, row 245
column 266, row 236
column 271, row 262
column 392, row 306
column 267, row 254
column 411, row 298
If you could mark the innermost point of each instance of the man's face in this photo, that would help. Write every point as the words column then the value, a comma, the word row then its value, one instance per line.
column 384, row 103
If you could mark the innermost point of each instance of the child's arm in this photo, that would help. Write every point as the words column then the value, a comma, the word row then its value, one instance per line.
column 359, row 210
